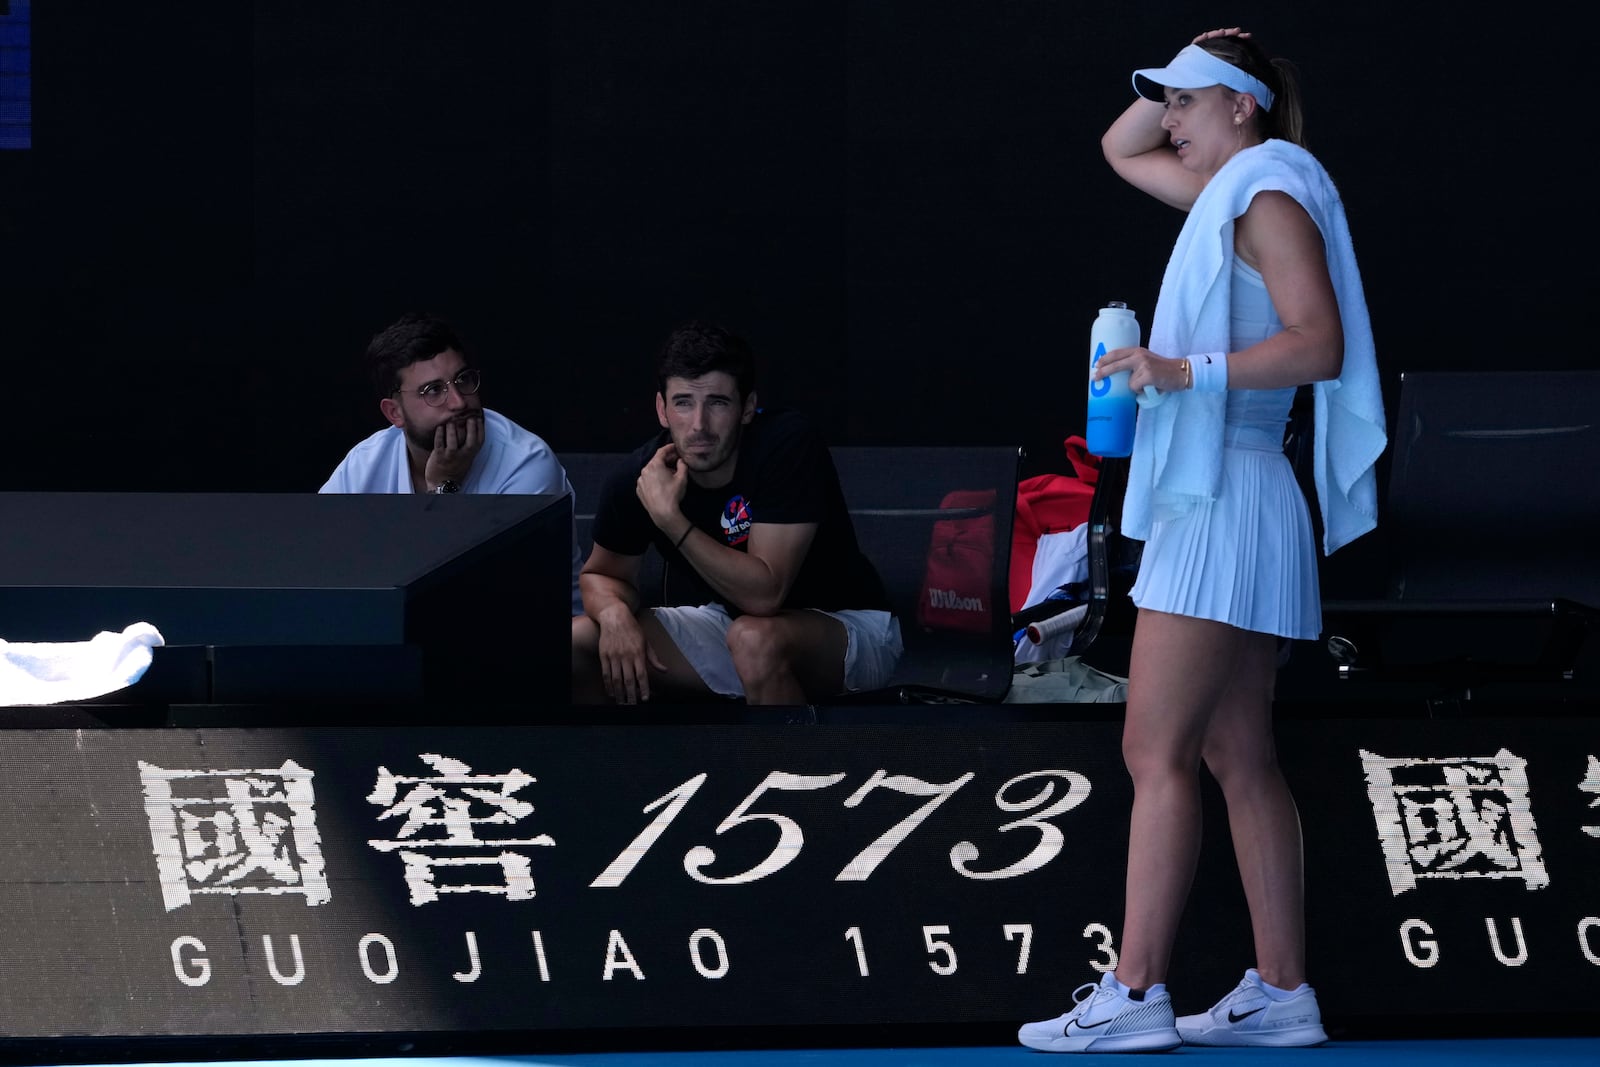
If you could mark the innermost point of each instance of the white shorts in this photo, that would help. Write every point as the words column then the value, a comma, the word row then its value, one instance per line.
column 872, row 645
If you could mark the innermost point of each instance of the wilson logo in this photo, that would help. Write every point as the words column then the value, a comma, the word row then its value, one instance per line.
column 950, row 600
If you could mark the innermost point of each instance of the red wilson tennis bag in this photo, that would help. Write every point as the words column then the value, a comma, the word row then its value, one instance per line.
column 957, row 591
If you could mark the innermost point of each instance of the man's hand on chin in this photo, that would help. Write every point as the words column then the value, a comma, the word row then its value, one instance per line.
column 455, row 445
column 661, row 485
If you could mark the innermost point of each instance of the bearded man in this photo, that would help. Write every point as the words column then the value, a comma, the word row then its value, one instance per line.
column 440, row 438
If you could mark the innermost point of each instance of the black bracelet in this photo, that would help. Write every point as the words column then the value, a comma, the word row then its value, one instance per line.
column 684, row 538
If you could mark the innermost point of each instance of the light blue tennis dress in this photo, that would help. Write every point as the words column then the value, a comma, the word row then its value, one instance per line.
column 1247, row 558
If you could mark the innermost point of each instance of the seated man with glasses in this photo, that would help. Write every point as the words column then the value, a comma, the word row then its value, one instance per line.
column 440, row 437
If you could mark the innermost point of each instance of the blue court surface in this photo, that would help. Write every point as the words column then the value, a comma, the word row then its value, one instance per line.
column 1397, row 1053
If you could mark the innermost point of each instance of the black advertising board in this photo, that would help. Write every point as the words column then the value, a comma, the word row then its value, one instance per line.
column 558, row 878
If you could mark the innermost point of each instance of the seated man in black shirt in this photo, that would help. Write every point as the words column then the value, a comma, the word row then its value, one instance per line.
column 748, row 501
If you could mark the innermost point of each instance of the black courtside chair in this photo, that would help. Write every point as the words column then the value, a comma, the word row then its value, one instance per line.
column 1491, row 533
column 901, row 501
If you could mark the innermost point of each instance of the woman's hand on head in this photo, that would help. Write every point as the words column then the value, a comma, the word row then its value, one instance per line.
column 1231, row 31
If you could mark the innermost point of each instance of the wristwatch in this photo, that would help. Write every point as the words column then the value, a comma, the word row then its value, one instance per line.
column 446, row 486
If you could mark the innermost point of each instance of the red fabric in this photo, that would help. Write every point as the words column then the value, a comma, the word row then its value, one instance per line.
column 955, row 586
column 1049, row 503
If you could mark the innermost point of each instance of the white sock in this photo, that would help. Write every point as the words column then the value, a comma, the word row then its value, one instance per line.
column 1275, row 992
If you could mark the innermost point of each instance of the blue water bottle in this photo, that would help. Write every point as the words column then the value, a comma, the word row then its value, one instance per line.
column 1112, row 406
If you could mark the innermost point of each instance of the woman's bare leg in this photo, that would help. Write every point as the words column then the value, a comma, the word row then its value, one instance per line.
column 1239, row 751
column 1181, row 668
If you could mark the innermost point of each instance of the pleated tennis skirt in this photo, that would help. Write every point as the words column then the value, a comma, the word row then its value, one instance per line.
column 1247, row 558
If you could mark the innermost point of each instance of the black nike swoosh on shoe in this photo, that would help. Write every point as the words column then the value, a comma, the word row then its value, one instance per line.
column 1090, row 1026
column 1232, row 1018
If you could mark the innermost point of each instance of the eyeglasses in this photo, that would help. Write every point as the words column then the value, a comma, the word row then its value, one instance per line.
column 434, row 393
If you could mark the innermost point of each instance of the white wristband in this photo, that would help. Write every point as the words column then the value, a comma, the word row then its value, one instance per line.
column 1209, row 371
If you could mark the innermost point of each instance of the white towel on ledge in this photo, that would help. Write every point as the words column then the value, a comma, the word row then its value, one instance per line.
column 51, row 672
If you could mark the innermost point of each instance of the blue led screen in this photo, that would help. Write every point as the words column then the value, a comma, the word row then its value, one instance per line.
column 16, row 75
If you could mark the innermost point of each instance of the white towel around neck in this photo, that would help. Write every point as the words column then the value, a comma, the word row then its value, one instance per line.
column 1177, row 452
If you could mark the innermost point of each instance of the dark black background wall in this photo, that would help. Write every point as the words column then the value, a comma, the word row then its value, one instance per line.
column 901, row 202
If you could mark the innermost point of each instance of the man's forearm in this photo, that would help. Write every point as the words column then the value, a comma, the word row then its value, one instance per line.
column 604, row 595
column 744, row 580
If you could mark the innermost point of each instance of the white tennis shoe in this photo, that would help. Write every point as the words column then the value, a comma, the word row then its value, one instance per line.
column 1249, row 1016
column 1105, row 1019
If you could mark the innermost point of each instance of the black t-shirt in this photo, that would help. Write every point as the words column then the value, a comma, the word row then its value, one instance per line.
column 783, row 474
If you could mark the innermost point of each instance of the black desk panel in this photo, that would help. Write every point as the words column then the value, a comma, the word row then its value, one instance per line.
column 476, row 585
